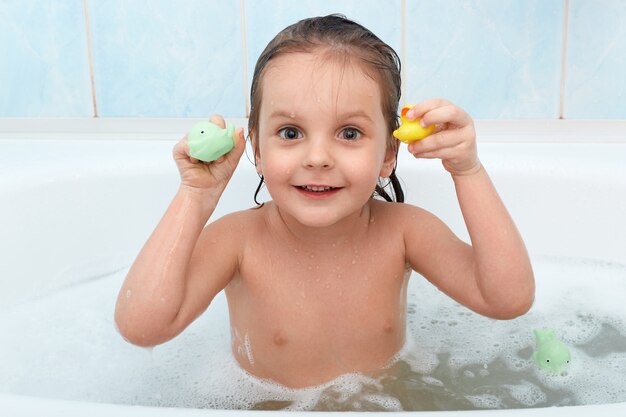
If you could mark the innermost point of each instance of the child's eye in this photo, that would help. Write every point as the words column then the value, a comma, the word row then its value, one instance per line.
column 350, row 133
column 289, row 133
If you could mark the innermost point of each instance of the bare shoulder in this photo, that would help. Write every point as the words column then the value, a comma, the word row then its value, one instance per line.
column 422, row 233
column 237, row 235
column 237, row 224
column 401, row 214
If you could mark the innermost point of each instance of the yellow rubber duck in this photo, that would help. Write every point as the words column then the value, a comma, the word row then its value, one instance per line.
column 411, row 130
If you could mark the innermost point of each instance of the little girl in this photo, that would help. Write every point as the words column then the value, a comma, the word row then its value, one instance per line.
column 316, row 279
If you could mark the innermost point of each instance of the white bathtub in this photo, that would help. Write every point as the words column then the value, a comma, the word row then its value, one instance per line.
column 79, row 197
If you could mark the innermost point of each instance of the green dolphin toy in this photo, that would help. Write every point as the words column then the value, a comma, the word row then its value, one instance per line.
column 208, row 142
column 551, row 354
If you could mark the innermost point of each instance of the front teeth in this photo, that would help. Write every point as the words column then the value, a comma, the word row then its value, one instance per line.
column 316, row 189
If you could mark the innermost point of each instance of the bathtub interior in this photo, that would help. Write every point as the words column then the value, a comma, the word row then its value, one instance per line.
column 80, row 210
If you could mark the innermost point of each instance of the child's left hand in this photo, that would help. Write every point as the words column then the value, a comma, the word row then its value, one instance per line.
column 454, row 140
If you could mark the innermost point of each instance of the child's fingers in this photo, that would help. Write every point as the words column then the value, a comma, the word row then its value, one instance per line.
column 240, row 141
column 181, row 149
column 239, row 138
column 181, row 152
column 218, row 120
column 439, row 153
column 426, row 106
column 439, row 140
column 450, row 115
column 439, row 112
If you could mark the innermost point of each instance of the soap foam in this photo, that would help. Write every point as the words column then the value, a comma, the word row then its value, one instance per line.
column 66, row 346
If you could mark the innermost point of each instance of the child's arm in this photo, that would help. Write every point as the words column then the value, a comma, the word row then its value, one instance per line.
column 169, row 285
column 493, row 276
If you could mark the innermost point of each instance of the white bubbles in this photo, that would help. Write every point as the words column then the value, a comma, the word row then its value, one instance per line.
column 527, row 394
column 485, row 401
column 582, row 300
column 386, row 403
column 65, row 346
column 432, row 381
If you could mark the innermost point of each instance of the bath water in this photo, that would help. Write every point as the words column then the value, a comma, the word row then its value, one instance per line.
column 65, row 346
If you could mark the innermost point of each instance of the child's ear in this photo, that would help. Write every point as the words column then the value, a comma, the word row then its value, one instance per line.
column 390, row 160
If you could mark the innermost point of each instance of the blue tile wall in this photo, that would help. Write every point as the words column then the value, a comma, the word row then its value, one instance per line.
column 595, row 79
column 499, row 59
column 44, row 70
column 164, row 58
column 495, row 58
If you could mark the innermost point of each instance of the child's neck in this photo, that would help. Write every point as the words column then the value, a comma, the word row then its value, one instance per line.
column 291, row 231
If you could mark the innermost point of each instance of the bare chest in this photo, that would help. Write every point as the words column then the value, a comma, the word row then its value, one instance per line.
column 297, row 306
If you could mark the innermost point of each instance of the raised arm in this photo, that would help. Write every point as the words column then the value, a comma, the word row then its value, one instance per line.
column 169, row 285
column 493, row 276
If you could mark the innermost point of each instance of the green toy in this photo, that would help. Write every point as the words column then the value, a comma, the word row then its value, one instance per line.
column 551, row 354
column 208, row 142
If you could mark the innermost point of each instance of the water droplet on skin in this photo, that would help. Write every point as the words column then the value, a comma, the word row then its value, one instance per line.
column 292, row 115
column 248, row 350
column 128, row 293
column 353, row 261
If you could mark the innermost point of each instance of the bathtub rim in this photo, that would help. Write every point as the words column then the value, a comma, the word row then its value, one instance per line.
column 21, row 406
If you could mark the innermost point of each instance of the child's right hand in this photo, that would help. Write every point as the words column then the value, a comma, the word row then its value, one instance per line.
column 201, row 176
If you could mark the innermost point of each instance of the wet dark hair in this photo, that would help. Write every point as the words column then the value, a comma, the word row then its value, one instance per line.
column 344, row 38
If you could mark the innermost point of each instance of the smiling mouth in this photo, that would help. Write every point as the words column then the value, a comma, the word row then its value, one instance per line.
column 317, row 188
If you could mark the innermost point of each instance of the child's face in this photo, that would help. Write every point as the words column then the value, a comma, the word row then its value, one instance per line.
column 322, row 138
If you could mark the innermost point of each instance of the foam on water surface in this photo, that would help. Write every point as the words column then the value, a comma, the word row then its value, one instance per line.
column 65, row 346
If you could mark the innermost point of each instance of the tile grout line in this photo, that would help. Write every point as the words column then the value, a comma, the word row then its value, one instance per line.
column 90, row 59
column 244, row 51
column 564, row 60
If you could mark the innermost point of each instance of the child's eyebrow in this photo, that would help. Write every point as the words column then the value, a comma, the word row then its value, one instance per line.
column 356, row 114
column 282, row 113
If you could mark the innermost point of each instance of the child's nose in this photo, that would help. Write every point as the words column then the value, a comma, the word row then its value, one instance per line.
column 318, row 154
